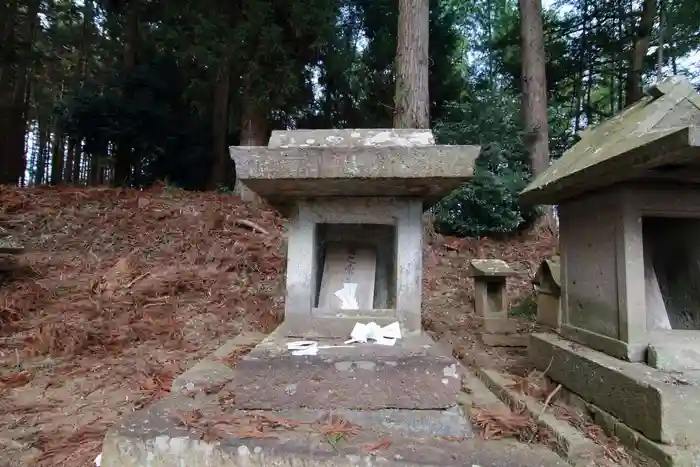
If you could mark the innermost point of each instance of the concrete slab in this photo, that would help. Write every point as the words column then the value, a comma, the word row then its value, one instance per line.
column 665, row 407
column 179, row 431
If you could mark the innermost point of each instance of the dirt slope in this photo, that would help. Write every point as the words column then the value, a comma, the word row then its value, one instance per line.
column 120, row 290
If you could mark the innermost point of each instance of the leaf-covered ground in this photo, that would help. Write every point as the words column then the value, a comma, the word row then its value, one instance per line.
column 120, row 290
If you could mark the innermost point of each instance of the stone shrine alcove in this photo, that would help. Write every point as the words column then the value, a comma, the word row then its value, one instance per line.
column 672, row 273
column 364, row 254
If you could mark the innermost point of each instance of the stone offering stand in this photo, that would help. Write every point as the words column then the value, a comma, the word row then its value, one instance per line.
column 355, row 200
column 629, row 211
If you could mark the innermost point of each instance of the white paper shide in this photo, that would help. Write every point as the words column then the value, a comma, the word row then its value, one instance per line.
column 363, row 333
column 348, row 296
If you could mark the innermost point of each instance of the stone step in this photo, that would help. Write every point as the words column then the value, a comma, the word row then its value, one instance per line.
column 346, row 381
column 168, row 434
column 569, row 442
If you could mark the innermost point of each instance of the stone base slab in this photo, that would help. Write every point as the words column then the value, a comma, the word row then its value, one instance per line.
column 413, row 374
column 662, row 406
column 157, row 437
column 676, row 350
column 663, row 454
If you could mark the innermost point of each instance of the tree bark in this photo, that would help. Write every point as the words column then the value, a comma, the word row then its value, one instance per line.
column 534, row 86
column 40, row 169
column 76, row 178
column 15, row 64
column 412, row 96
column 124, row 153
column 660, row 51
column 633, row 88
column 70, row 161
column 221, row 173
column 534, row 89
column 254, row 132
column 57, row 158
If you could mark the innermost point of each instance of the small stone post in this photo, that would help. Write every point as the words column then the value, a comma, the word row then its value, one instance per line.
column 491, row 302
column 548, row 292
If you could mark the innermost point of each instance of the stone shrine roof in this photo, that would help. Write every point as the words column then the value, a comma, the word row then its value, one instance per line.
column 356, row 162
column 654, row 140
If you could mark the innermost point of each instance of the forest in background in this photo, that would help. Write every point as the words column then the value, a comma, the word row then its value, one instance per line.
column 128, row 92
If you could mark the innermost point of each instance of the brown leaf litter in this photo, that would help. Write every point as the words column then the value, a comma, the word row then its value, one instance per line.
column 115, row 279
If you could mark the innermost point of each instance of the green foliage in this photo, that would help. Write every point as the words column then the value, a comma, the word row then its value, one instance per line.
column 169, row 140
column 488, row 205
column 320, row 64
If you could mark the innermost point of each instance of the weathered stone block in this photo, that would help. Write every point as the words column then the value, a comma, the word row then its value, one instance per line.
column 643, row 398
column 352, row 382
column 673, row 357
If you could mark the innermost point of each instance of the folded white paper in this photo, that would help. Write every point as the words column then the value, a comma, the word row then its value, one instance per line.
column 303, row 347
column 348, row 296
column 371, row 331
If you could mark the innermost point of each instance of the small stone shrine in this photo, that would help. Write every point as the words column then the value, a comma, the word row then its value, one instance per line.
column 355, row 200
column 628, row 198
column 491, row 303
column 547, row 282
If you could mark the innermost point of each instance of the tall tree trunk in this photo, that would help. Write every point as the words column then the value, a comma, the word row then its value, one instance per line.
column 534, row 89
column 76, row 178
column 534, row 86
column 660, row 51
column 412, row 97
column 578, row 84
column 221, row 173
column 70, row 160
column 14, row 82
column 124, row 153
column 633, row 88
column 94, row 169
column 57, row 158
column 254, row 132
column 9, row 17
column 42, row 157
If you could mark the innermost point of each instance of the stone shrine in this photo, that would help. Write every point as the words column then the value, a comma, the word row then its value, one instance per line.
column 355, row 200
column 628, row 202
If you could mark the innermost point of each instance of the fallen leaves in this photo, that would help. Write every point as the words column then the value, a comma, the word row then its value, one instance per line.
column 155, row 382
column 15, row 380
column 381, row 445
column 77, row 448
column 334, row 425
column 121, row 275
column 497, row 424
